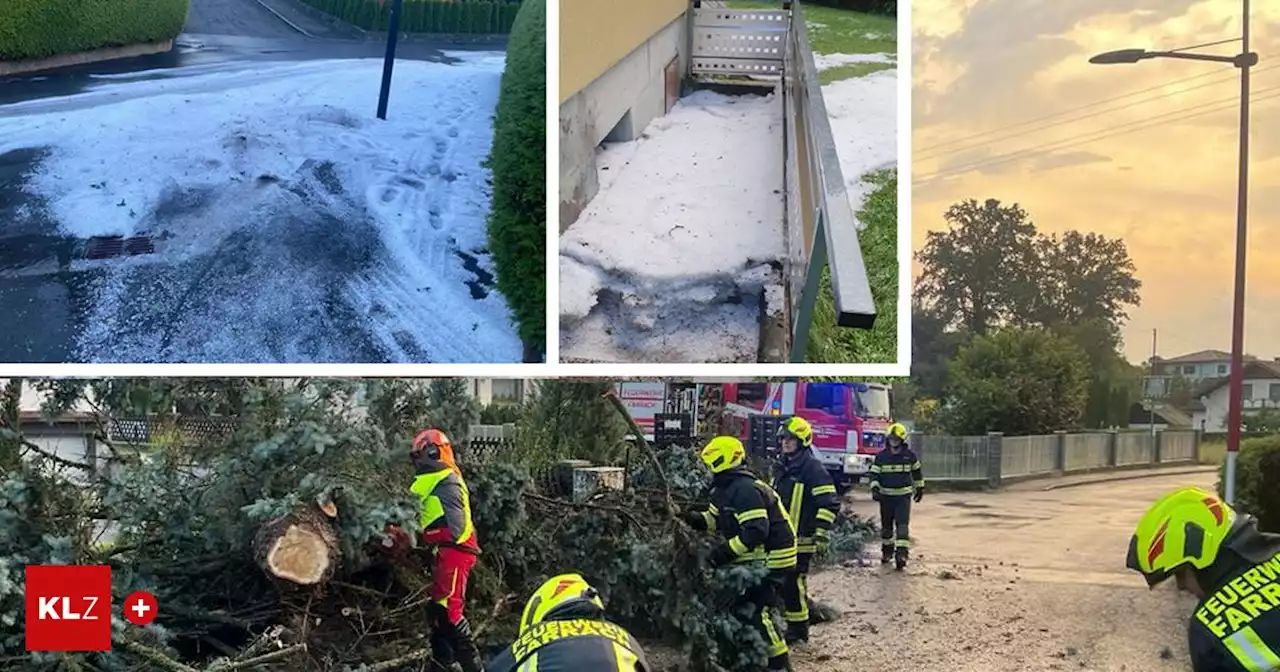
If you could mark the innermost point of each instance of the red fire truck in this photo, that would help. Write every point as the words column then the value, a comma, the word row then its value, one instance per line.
column 849, row 419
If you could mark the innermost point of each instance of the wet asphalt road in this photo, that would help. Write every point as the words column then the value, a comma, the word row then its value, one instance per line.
column 44, row 297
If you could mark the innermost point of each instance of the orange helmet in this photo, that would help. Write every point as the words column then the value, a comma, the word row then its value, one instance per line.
column 436, row 445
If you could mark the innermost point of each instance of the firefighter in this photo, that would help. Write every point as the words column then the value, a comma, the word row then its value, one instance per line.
column 896, row 480
column 1220, row 557
column 446, row 529
column 809, row 494
column 563, row 629
column 752, row 523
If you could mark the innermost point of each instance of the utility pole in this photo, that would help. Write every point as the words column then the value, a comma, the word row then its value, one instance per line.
column 1152, row 402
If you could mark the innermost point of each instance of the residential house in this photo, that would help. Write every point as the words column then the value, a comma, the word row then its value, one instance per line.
column 1198, row 366
column 620, row 67
column 1261, row 390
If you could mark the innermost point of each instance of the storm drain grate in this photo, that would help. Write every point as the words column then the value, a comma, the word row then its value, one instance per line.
column 107, row 247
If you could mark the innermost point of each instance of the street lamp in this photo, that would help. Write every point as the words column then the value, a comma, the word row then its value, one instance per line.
column 1244, row 60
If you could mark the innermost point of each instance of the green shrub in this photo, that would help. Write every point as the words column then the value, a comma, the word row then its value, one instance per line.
column 43, row 28
column 518, row 219
column 471, row 17
column 1257, row 473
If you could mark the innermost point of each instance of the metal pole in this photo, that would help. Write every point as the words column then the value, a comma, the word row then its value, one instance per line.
column 1236, row 388
column 1152, row 401
column 393, row 34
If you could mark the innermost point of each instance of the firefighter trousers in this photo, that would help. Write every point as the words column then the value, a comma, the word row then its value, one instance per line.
column 895, row 523
column 795, row 593
column 762, row 599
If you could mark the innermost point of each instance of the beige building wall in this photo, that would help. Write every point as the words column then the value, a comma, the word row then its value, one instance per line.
column 596, row 34
column 619, row 62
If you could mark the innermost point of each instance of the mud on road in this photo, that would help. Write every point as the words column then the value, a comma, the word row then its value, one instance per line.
column 1019, row 579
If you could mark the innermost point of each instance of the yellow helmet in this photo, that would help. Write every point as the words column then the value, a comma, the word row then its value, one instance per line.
column 1185, row 527
column 723, row 453
column 897, row 429
column 799, row 428
column 558, row 595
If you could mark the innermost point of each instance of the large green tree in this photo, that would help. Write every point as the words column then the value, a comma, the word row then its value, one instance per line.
column 977, row 274
column 1017, row 381
column 1083, row 277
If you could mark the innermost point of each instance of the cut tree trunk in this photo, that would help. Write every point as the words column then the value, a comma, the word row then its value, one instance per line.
column 301, row 547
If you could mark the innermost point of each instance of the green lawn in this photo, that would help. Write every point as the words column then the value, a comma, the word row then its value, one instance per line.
column 829, row 343
column 852, row 70
column 840, row 31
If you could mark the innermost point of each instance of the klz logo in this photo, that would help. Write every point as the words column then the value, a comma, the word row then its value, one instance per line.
column 68, row 608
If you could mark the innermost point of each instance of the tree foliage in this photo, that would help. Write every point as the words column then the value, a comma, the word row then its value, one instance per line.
column 1018, row 382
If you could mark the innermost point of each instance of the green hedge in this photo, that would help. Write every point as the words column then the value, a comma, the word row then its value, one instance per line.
column 472, row 17
column 42, row 28
column 518, row 219
column 1257, row 473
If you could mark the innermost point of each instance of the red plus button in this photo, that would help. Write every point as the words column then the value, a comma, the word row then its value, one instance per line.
column 140, row 607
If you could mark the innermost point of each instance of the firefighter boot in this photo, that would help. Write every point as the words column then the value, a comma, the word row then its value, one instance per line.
column 900, row 557
column 797, row 632
column 886, row 553
column 464, row 644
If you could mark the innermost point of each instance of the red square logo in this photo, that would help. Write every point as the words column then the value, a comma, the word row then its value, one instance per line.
column 68, row 608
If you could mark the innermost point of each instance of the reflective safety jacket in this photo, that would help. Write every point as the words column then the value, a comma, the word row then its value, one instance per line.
column 1236, row 627
column 575, row 645
column 750, row 515
column 446, row 508
column 809, row 495
column 896, row 474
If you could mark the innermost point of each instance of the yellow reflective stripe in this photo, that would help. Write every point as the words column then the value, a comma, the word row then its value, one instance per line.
column 752, row 514
column 826, row 515
column 1251, row 651
column 736, row 545
column 902, row 543
column 530, row 664
column 801, row 615
column 713, row 510
column 825, row 490
column 820, row 533
column 919, row 484
column 807, row 548
column 777, row 646
column 710, row 521
column 875, row 469
column 915, row 466
column 797, row 500
column 896, row 468
column 625, row 659
column 757, row 554
column 905, row 490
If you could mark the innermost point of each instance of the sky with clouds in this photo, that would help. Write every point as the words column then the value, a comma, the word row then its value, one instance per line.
column 1004, row 107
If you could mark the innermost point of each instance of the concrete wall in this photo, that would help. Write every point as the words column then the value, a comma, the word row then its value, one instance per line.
column 614, row 55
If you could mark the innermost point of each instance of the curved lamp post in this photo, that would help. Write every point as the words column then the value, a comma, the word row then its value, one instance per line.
column 1244, row 60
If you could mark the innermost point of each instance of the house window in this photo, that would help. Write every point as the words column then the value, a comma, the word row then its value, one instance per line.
column 1246, row 392
column 1275, row 392
column 1222, row 369
column 1188, row 370
column 507, row 389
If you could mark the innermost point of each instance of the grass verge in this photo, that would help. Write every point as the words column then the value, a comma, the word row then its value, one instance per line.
column 830, row 343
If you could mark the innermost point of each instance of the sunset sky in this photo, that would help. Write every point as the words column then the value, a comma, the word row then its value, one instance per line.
column 987, row 68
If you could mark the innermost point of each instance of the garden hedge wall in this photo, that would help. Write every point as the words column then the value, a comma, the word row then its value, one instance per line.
column 1257, row 473
column 518, row 215
column 42, row 28
column 471, row 17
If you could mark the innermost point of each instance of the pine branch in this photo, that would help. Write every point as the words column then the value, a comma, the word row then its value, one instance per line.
column 155, row 656
column 420, row 654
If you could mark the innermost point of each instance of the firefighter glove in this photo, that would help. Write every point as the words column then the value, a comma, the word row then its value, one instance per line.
column 720, row 556
column 919, row 494
column 694, row 519
column 875, row 494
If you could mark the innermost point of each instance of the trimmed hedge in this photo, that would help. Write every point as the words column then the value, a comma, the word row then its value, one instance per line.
column 518, row 218
column 470, row 17
column 43, row 28
column 1257, row 476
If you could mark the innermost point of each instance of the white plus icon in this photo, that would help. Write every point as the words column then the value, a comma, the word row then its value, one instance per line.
column 141, row 608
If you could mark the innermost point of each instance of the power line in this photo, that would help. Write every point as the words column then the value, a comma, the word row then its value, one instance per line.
column 1220, row 75
column 1082, row 139
column 1036, row 129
